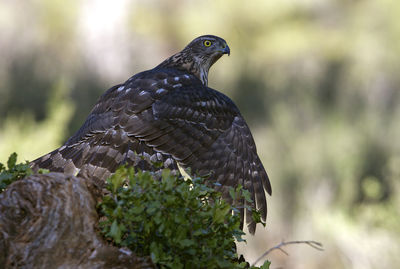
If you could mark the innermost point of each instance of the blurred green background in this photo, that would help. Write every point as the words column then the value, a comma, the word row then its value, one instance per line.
column 317, row 81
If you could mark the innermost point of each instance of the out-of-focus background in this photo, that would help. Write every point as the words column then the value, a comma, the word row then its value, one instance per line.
column 317, row 81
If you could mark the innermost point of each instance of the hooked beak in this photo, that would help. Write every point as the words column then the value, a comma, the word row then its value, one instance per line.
column 226, row 50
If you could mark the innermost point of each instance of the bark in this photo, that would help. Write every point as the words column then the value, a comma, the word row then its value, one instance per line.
column 49, row 221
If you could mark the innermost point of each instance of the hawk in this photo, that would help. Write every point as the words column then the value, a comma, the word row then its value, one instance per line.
column 168, row 114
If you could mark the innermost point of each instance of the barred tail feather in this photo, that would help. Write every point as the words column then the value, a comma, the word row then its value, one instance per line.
column 55, row 161
column 98, row 159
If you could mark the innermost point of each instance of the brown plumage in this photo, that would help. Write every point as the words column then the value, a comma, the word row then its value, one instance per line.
column 169, row 115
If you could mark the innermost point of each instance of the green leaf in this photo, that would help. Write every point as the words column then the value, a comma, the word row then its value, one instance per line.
column 14, row 172
column 232, row 193
column 43, row 171
column 186, row 242
column 247, row 195
column 115, row 232
column 12, row 160
column 265, row 265
column 117, row 179
column 221, row 213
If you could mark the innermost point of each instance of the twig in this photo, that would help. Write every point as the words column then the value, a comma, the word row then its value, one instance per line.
column 312, row 244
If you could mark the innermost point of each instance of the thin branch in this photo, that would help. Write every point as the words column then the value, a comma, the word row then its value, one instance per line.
column 313, row 244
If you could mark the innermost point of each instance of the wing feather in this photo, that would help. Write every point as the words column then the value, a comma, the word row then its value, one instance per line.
column 169, row 116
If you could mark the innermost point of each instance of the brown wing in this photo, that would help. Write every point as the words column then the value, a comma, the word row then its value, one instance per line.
column 208, row 134
column 103, row 143
column 166, row 115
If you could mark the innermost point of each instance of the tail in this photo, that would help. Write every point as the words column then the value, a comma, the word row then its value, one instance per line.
column 97, row 158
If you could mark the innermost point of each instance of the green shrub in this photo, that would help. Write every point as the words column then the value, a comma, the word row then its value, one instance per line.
column 178, row 223
column 13, row 172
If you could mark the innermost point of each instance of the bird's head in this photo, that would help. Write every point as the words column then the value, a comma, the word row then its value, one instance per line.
column 207, row 49
column 199, row 55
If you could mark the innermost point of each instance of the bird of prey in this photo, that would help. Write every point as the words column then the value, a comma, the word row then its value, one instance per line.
column 168, row 114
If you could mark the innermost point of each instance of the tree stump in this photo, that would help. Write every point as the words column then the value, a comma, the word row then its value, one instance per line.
column 49, row 221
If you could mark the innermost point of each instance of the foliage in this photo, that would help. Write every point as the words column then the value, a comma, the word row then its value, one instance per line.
column 14, row 171
column 178, row 223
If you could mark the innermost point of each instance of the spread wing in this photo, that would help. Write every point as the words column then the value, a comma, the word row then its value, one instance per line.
column 167, row 116
column 105, row 141
column 207, row 134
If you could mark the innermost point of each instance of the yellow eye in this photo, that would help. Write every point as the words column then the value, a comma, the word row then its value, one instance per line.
column 207, row 43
